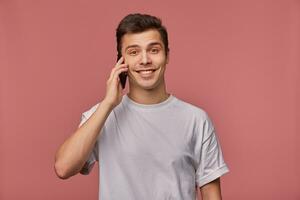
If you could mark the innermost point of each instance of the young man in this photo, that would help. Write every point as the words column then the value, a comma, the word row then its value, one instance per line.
column 149, row 144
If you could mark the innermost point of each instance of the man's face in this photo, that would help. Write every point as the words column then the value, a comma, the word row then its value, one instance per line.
column 145, row 55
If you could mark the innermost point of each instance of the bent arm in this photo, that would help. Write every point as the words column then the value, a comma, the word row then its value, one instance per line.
column 72, row 154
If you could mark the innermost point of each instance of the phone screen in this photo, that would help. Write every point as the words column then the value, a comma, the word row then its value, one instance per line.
column 123, row 75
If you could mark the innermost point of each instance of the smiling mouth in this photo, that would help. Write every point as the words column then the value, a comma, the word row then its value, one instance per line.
column 146, row 73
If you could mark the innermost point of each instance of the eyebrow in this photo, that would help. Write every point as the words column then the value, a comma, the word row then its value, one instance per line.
column 150, row 44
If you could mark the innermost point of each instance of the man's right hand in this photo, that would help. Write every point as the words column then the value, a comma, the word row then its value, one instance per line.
column 113, row 86
column 72, row 155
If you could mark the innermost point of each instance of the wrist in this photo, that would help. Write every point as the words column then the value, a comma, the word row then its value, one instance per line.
column 107, row 104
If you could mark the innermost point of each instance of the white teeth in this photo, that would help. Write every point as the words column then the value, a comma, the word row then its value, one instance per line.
column 146, row 72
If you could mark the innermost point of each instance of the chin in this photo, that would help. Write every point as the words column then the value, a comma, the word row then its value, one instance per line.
column 151, row 85
column 147, row 86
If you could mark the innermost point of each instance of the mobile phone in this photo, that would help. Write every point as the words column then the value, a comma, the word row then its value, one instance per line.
column 122, row 75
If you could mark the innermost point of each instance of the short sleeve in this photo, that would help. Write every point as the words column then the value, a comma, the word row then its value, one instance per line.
column 94, row 155
column 211, row 164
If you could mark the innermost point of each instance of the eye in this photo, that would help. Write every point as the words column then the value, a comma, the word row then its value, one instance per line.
column 133, row 52
column 154, row 50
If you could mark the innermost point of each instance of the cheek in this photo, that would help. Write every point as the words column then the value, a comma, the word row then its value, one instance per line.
column 131, row 62
column 161, row 60
column 131, row 68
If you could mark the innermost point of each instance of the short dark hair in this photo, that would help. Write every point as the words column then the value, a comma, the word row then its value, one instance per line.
column 136, row 23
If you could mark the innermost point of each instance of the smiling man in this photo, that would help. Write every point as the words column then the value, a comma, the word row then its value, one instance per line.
column 145, row 56
column 149, row 143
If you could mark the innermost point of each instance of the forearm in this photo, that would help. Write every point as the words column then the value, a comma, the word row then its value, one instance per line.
column 73, row 153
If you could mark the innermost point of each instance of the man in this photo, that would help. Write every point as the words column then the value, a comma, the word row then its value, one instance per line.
column 149, row 144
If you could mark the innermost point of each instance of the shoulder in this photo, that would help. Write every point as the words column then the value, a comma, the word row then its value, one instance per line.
column 191, row 109
column 198, row 118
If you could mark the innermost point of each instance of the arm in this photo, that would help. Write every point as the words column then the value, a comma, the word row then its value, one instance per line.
column 73, row 153
column 71, row 156
column 211, row 190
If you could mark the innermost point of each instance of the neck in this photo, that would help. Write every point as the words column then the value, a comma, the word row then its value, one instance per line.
column 153, row 96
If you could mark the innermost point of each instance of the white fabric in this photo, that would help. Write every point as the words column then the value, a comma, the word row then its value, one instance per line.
column 159, row 151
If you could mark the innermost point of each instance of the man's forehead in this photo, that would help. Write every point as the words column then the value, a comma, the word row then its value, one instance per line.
column 146, row 38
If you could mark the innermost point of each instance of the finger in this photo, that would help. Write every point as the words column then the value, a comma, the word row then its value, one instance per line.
column 113, row 71
column 118, row 72
column 117, row 66
column 120, row 61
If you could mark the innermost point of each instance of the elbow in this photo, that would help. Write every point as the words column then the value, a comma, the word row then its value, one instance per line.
column 60, row 171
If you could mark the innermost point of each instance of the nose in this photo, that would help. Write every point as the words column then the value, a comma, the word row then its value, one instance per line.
column 145, row 59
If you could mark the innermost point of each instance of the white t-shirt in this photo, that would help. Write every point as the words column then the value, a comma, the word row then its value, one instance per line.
column 157, row 152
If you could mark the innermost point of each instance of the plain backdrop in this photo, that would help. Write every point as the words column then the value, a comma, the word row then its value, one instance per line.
column 238, row 60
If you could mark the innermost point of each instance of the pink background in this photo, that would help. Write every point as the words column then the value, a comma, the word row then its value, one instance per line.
column 237, row 60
